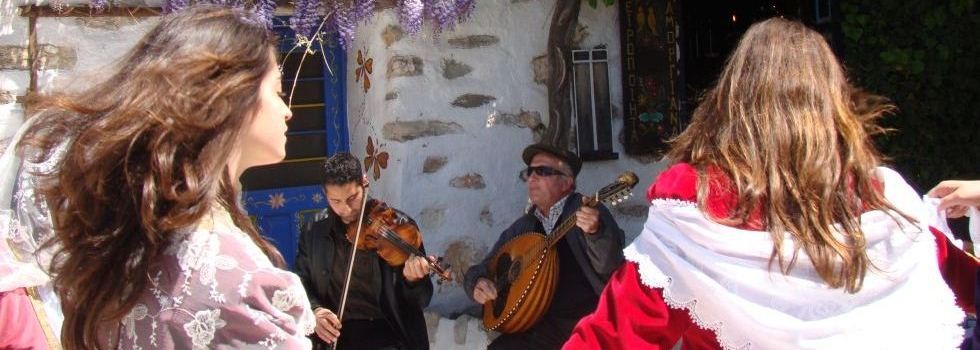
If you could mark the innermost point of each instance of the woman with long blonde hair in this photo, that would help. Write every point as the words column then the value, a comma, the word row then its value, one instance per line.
column 152, row 249
column 776, row 226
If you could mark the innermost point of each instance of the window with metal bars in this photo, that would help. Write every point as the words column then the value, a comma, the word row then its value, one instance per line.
column 591, row 109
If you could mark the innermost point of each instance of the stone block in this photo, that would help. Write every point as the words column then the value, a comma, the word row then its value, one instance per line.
column 392, row 34
column 461, row 255
column 7, row 96
column 15, row 57
column 460, row 328
column 404, row 66
column 471, row 181
column 473, row 41
column 523, row 119
column 57, row 57
column 452, row 69
column 431, row 218
column 472, row 100
column 431, row 324
column 541, row 67
column 402, row 131
column 433, row 164
column 106, row 22
column 486, row 216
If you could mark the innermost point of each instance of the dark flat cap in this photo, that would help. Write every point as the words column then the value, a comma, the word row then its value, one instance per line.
column 569, row 158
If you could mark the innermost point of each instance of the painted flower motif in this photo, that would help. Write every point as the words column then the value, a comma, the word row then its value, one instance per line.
column 277, row 200
column 374, row 160
column 317, row 198
column 364, row 69
column 201, row 329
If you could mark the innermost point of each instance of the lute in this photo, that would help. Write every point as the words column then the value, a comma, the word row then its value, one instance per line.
column 525, row 269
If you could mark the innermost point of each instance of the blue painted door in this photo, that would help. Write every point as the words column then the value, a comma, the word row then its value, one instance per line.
column 284, row 197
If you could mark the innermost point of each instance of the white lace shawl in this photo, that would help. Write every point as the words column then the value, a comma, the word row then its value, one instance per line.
column 216, row 289
column 25, row 224
column 720, row 275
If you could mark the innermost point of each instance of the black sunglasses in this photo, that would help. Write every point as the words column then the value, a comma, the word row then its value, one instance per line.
column 540, row 171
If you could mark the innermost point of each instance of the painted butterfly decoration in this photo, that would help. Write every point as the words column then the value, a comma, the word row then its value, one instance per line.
column 364, row 68
column 374, row 160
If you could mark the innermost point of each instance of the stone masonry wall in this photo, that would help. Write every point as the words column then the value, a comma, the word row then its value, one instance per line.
column 455, row 110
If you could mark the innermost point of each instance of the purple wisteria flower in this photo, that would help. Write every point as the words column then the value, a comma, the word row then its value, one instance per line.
column 410, row 15
column 443, row 12
column 346, row 18
column 306, row 18
column 175, row 5
column 464, row 9
column 362, row 10
column 343, row 22
column 98, row 5
column 264, row 11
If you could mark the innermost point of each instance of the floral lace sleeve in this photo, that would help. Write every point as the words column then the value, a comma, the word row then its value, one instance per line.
column 217, row 290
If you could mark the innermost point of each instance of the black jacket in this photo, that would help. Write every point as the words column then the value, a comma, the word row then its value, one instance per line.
column 401, row 301
column 599, row 254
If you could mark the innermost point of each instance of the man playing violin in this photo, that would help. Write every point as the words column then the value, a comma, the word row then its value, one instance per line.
column 384, row 303
column 587, row 255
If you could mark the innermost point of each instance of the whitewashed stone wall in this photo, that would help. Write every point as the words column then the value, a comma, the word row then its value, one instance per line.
column 454, row 112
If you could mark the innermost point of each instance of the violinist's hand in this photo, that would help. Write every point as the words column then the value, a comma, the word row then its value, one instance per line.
column 587, row 219
column 484, row 291
column 327, row 325
column 416, row 268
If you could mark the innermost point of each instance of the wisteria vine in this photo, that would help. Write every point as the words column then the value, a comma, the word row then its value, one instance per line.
column 342, row 16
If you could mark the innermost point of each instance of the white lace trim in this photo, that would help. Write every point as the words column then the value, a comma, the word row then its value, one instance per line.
column 719, row 275
column 207, row 263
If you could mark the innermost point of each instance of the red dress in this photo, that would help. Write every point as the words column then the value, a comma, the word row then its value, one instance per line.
column 631, row 315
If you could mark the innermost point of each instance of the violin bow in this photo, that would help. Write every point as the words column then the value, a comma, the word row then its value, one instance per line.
column 353, row 255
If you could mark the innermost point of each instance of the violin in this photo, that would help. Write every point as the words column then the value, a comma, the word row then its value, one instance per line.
column 394, row 237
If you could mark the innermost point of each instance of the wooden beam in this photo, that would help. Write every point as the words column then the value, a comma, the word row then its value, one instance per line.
column 32, row 51
column 34, row 11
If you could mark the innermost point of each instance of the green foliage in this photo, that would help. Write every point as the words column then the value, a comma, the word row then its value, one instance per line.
column 926, row 58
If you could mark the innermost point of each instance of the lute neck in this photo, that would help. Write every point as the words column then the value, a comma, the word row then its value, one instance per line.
column 559, row 232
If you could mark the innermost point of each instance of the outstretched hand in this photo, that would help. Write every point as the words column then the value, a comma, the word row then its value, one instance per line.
column 956, row 196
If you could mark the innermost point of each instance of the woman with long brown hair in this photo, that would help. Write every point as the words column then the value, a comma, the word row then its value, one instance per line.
column 152, row 247
column 776, row 226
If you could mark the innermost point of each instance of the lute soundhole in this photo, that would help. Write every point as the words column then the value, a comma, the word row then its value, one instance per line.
column 508, row 270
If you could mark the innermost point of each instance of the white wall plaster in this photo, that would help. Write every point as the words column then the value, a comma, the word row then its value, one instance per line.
column 502, row 70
